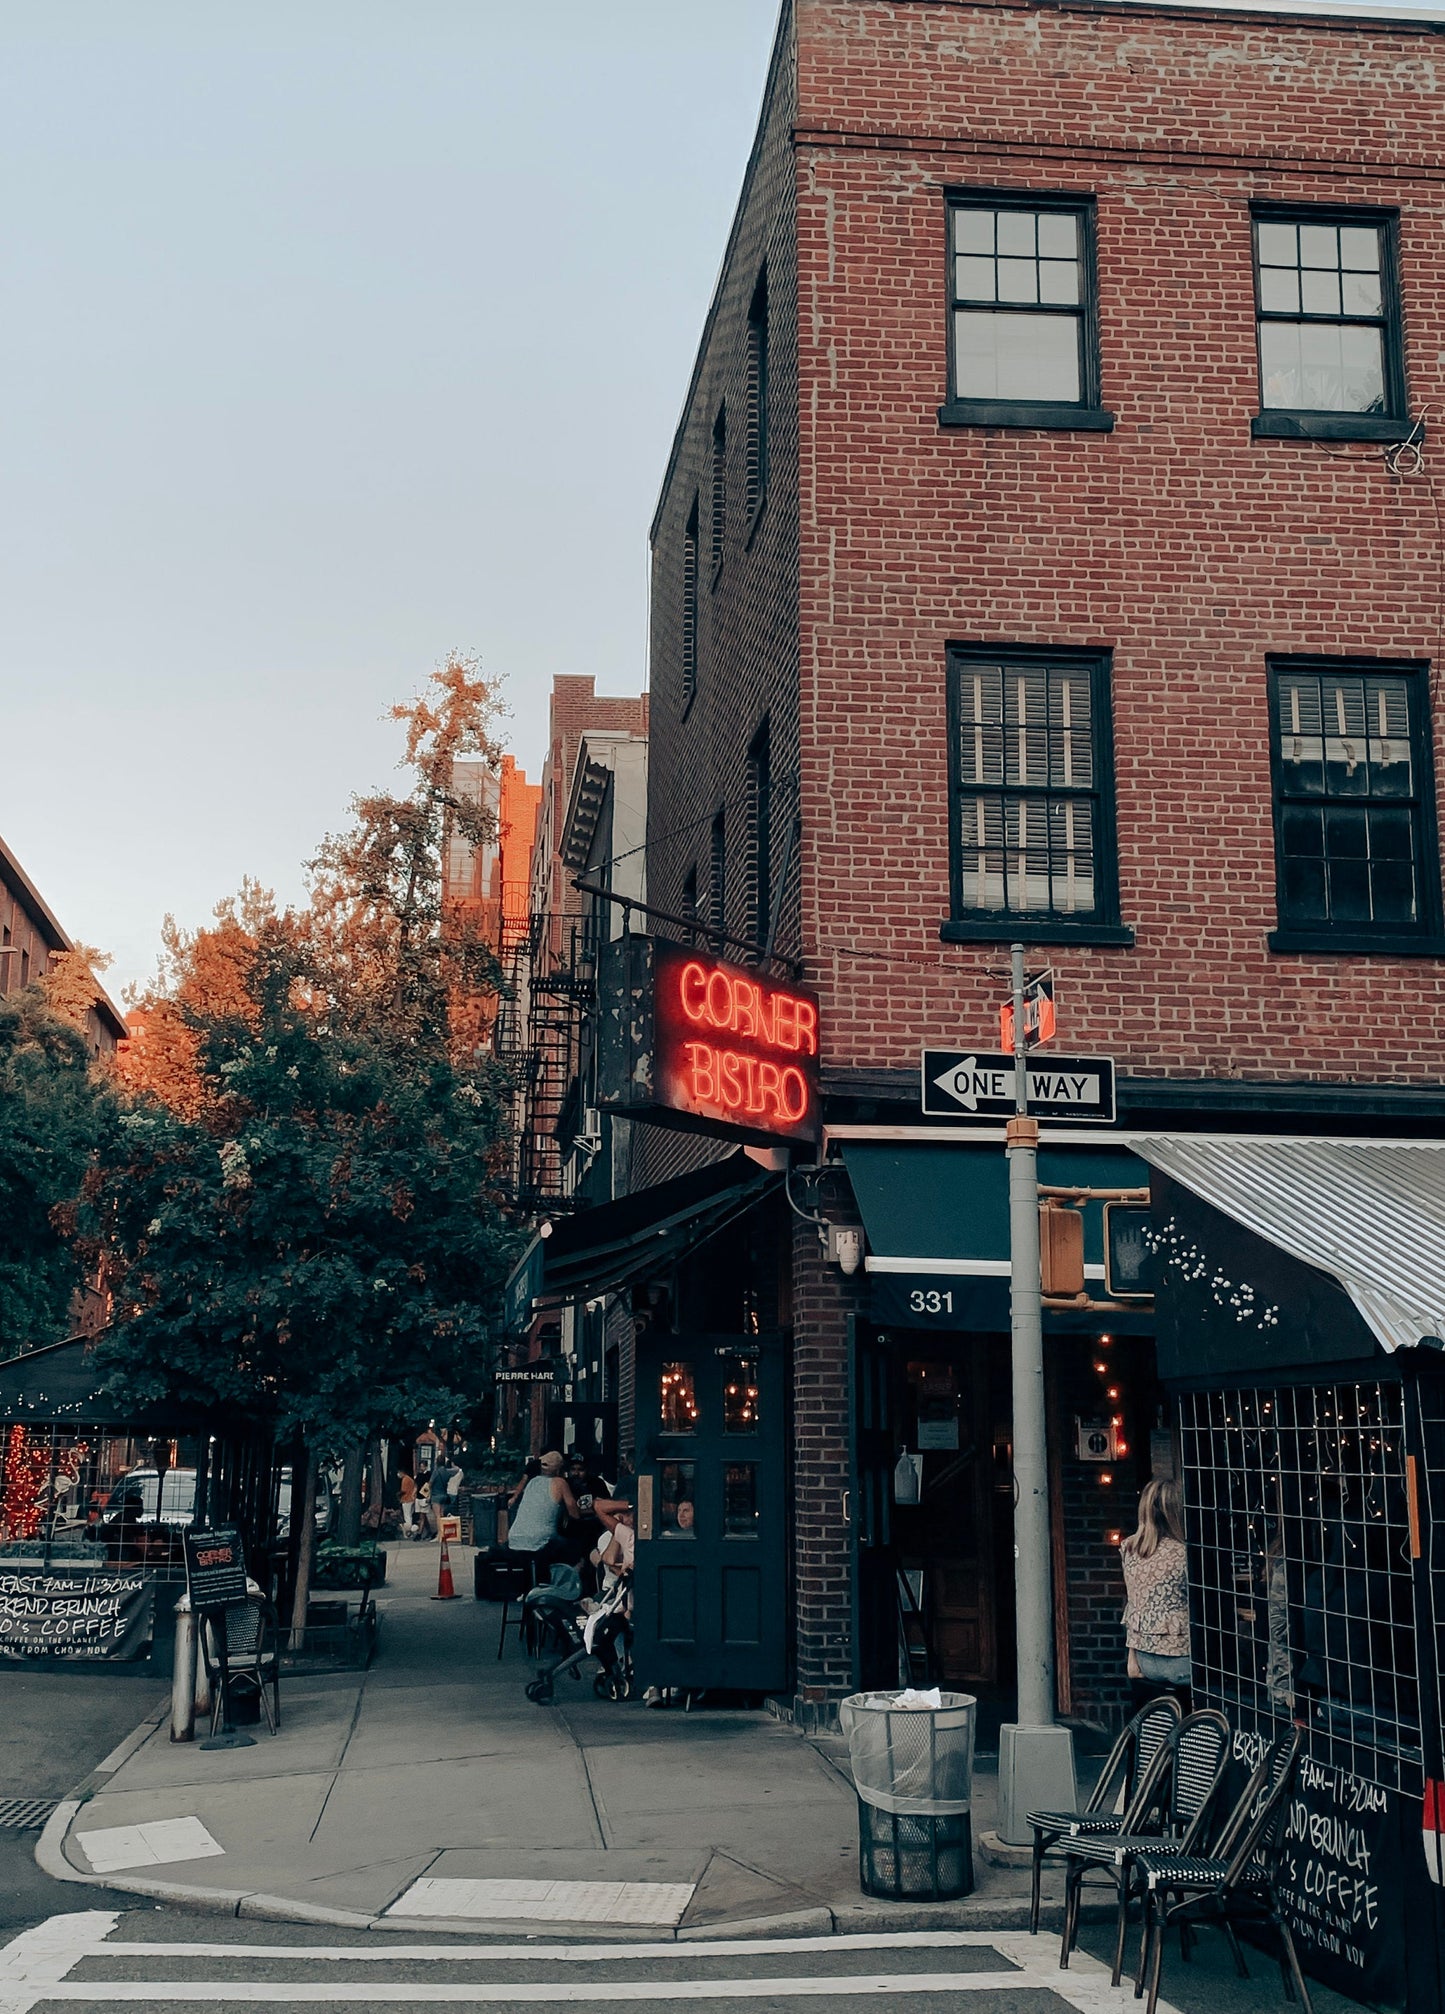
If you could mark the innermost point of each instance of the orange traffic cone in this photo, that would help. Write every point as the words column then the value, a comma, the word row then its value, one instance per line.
column 445, row 1590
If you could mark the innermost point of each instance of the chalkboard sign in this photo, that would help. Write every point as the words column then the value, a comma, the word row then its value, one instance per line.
column 215, row 1566
column 74, row 1614
column 1340, row 1882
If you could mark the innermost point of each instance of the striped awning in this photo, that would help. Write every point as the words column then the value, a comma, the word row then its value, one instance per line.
column 1370, row 1213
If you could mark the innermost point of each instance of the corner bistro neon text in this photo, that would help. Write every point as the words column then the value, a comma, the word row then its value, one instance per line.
column 728, row 1002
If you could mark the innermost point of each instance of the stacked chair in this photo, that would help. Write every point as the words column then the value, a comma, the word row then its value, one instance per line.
column 1122, row 1797
column 1167, row 1842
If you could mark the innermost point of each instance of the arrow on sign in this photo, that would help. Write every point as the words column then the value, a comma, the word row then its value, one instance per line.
column 966, row 1082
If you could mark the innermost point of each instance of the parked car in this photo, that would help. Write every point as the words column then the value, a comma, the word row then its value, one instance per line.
column 139, row 1498
column 283, row 1505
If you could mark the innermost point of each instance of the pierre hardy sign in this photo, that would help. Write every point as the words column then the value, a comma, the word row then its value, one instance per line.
column 969, row 1084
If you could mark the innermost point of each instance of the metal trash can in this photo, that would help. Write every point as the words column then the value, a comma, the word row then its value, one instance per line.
column 913, row 1772
column 484, row 1520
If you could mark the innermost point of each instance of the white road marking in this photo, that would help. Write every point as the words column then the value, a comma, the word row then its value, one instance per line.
column 596, row 1954
column 150, row 1845
column 32, row 1964
column 546, row 1901
column 335, row 1991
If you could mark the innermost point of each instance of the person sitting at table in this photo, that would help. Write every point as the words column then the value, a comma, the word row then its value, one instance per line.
column 536, row 1525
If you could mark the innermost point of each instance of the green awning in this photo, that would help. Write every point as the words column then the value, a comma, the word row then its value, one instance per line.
column 940, row 1209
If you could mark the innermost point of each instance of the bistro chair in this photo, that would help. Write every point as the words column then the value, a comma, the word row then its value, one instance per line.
column 1238, row 1882
column 1201, row 1748
column 1111, row 1798
column 516, row 1574
column 253, row 1658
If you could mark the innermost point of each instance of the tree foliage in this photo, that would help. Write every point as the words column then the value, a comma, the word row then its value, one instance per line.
column 56, row 1112
column 306, row 1215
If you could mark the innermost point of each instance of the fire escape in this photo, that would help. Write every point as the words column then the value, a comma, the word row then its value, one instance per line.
column 551, row 999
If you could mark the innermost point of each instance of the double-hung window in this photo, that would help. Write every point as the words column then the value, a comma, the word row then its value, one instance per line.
column 1023, row 345
column 1331, row 355
column 1032, row 796
column 1355, row 851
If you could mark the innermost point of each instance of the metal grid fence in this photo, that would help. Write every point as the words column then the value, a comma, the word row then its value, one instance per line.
column 1302, row 1593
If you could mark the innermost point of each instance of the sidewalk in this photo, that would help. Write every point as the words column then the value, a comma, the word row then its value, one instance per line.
column 434, row 1769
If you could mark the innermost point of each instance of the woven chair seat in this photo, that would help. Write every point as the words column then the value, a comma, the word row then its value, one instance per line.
column 1076, row 1822
column 1164, row 1870
column 1112, row 1851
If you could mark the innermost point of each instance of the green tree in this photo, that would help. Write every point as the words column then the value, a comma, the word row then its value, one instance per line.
column 56, row 1113
column 318, row 1235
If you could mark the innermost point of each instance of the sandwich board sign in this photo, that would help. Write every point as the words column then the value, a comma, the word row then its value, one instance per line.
column 975, row 1084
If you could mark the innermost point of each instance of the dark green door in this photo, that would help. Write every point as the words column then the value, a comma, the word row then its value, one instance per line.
column 711, row 1572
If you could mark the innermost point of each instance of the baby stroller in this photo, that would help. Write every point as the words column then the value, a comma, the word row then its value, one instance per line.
column 553, row 1619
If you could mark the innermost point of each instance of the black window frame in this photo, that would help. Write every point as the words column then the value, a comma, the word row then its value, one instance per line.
column 1088, row 413
column 1295, row 422
column 760, row 834
column 1426, row 937
column 691, row 556
column 717, row 516
column 964, row 926
column 755, row 407
column 717, row 900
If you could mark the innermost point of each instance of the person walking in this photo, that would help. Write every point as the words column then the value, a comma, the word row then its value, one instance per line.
column 407, row 1485
column 1156, row 1595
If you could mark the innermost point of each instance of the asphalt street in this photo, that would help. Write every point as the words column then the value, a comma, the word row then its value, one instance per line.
column 55, row 1726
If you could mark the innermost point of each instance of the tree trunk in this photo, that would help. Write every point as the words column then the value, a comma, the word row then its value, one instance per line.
column 303, row 1521
column 349, row 1520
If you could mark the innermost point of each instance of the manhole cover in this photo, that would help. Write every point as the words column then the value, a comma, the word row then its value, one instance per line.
column 25, row 1814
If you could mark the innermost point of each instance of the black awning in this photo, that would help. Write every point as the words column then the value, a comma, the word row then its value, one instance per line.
column 617, row 1244
column 60, row 1384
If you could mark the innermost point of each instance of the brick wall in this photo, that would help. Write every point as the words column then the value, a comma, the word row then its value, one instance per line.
column 822, row 1469
column 747, row 633
column 1178, row 542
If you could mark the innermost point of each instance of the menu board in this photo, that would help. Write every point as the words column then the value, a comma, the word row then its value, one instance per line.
column 215, row 1566
column 1340, row 1881
column 75, row 1614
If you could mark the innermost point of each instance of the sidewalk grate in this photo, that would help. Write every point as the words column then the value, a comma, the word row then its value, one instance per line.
column 25, row 1814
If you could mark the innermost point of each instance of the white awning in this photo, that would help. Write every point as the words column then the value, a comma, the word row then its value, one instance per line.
column 1371, row 1213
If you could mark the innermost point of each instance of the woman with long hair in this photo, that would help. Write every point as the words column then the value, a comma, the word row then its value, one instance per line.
column 1156, row 1592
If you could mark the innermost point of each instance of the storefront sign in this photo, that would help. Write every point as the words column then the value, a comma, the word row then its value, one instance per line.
column 215, row 1566
column 969, row 1084
column 689, row 1040
column 76, row 1614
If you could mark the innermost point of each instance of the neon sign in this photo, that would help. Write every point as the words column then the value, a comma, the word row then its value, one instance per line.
column 733, row 1047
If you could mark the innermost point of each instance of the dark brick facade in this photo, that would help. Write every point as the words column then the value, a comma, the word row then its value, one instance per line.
column 1178, row 543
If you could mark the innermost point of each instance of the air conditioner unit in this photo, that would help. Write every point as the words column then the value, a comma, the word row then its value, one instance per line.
column 589, row 1140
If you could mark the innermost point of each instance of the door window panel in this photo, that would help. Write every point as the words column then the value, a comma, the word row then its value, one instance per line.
column 679, row 1399
column 677, row 1499
column 740, row 1395
column 740, row 1500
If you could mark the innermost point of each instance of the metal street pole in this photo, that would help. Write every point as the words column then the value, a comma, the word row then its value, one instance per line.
column 1036, row 1755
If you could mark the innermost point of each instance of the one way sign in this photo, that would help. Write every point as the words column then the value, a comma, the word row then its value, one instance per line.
column 959, row 1084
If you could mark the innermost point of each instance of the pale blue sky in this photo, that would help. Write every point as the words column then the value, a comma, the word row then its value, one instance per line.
column 337, row 333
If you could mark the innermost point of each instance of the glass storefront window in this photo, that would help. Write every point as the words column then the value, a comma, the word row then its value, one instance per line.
column 679, row 1399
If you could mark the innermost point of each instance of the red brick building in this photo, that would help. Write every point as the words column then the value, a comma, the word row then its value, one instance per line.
column 1050, row 551
column 30, row 941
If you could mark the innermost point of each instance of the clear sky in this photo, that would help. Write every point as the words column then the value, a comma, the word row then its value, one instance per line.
column 337, row 334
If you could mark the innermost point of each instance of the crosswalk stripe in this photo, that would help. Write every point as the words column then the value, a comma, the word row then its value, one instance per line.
column 585, row 1954
column 336, row 1990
